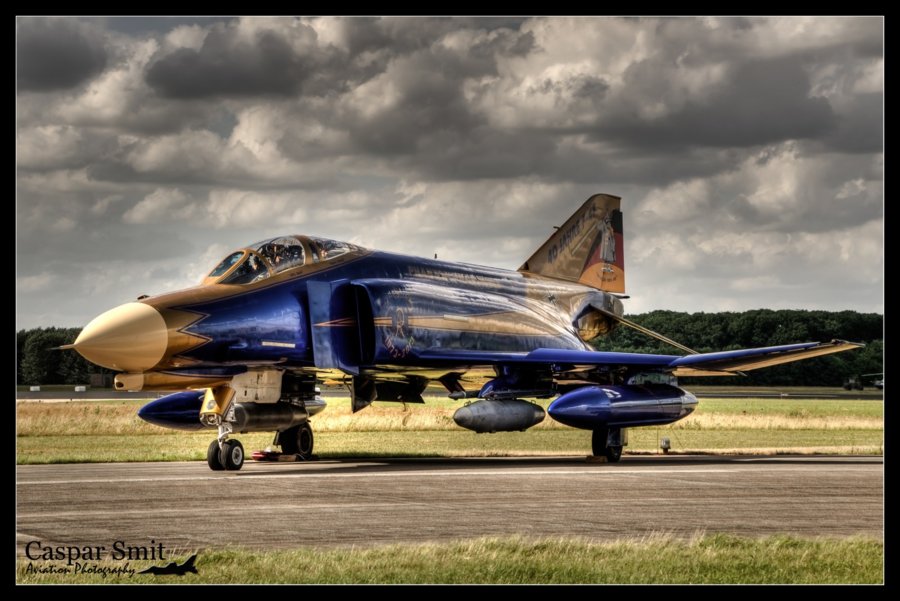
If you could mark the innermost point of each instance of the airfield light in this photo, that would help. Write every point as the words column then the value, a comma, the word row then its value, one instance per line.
column 665, row 444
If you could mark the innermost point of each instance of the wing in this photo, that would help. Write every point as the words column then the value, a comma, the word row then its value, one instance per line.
column 703, row 364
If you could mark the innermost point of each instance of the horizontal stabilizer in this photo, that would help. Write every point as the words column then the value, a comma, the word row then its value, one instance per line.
column 730, row 362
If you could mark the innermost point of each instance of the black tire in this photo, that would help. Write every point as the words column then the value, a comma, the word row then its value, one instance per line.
column 613, row 454
column 214, row 457
column 598, row 442
column 298, row 441
column 233, row 455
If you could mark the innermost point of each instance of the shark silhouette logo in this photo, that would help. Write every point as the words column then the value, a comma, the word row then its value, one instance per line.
column 173, row 569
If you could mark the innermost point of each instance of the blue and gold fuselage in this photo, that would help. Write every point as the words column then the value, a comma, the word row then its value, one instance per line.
column 384, row 311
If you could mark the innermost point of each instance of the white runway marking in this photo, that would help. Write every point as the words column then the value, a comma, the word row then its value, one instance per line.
column 461, row 473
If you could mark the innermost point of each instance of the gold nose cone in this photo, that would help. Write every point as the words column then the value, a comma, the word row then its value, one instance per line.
column 132, row 337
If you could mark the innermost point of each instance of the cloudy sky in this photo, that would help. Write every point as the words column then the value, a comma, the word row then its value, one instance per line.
column 748, row 152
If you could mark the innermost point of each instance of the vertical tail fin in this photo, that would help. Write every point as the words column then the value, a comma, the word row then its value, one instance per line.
column 587, row 249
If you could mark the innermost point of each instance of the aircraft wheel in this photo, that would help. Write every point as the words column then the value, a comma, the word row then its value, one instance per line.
column 233, row 455
column 613, row 454
column 598, row 445
column 598, row 442
column 298, row 441
column 213, row 457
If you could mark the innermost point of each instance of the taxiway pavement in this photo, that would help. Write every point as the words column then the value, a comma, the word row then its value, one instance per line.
column 368, row 502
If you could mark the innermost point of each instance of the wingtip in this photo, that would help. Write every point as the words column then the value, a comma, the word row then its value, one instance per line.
column 839, row 342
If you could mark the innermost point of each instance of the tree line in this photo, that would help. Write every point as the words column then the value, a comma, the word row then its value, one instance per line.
column 38, row 363
column 708, row 332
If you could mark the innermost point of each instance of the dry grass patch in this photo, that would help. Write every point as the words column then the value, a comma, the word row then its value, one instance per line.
column 111, row 431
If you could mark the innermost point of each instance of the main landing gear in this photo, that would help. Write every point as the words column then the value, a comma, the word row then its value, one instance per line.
column 228, row 454
column 297, row 441
column 608, row 442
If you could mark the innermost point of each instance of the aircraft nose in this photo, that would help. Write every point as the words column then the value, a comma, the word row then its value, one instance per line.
column 132, row 337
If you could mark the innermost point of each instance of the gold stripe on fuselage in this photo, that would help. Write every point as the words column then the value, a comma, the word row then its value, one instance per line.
column 344, row 322
column 486, row 323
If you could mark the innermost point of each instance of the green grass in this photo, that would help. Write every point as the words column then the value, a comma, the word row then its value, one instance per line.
column 111, row 431
column 710, row 559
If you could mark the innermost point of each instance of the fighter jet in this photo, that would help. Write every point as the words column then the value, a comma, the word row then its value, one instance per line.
column 173, row 569
column 247, row 348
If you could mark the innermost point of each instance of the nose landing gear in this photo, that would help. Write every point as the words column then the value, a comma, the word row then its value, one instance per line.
column 224, row 453
column 229, row 456
column 218, row 410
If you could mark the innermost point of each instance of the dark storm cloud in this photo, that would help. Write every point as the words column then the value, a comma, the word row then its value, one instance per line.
column 226, row 66
column 591, row 87
column 56, row 54
column 433, row 129
column 431, row 122
column 859, row 127
column 748, row 152
column 472, row 153
column 430, row 110
column 144, row 25
column 401, row 35
column 763, row 102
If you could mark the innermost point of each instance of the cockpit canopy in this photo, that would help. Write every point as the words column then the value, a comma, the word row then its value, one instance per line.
column 269, row 257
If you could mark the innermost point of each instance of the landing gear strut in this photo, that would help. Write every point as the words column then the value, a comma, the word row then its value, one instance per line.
column 218, row 410
column 608, row 442
column 224, row 453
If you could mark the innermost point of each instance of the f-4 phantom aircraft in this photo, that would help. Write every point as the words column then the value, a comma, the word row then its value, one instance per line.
column 247, row 348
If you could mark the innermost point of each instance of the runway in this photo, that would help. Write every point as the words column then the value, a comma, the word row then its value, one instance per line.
column 349, row 502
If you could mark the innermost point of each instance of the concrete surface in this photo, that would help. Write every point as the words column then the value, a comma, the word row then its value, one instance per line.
column 366, row 502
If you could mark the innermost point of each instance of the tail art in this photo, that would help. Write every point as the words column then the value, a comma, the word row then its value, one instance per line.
column 587, row 249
